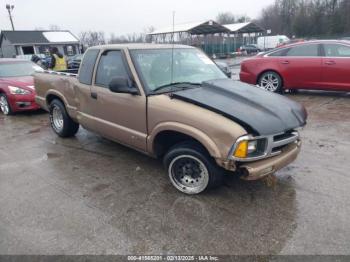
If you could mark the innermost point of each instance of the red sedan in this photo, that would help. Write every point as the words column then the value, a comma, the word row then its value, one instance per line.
column 317, row 65
column 17, row 91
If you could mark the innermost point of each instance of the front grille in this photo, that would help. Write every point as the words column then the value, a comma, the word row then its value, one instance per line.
column 282, row 140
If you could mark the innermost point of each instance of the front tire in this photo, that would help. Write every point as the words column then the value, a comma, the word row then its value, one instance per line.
column 5, row 105
column 190, row 168
column 61, row 123
column 271, row 81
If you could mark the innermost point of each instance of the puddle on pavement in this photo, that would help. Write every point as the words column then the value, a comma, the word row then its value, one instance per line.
column 52, row 156
column 35, row 130
column 100, row 187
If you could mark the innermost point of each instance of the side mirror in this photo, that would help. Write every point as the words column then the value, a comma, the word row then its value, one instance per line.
column 121, row 85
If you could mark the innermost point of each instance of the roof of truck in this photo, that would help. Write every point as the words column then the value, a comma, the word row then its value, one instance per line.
column 134, row 46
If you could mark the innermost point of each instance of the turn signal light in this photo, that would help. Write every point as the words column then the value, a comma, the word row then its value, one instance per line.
column 242, row 150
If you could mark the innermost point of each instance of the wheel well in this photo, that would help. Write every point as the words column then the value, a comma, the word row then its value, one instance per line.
column 167, row 139
column 51, row 97
column 269, row 70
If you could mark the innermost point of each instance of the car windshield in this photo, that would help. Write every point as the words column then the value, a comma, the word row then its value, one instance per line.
column 23, row 68
column 164, row 67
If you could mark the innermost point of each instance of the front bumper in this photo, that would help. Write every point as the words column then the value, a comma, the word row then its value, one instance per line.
column 23, row 103
column 247, row 78
column 260, row 169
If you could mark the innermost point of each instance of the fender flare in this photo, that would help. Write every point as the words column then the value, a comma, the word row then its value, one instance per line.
column 72, row 111
column 193, row 132
column 55, row 93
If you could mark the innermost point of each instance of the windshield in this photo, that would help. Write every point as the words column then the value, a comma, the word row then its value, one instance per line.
column 188, row 66
column 23, row 68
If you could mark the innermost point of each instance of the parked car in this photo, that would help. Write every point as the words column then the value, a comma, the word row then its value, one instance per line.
column 271, row 42
column 250, row 49
column 74, row 62
column 17, row 91
column 174, row 103
column 224, row 67
column 319, row 65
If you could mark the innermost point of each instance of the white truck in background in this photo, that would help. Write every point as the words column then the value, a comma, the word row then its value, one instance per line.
column 271, row 42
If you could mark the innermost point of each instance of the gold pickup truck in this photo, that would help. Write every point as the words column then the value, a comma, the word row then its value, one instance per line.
column 174, row 103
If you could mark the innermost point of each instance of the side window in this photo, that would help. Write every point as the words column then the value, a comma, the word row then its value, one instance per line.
column 334, row 50
column 111, row 65
column 87, row 66
column 303, row 50
column 279, row 52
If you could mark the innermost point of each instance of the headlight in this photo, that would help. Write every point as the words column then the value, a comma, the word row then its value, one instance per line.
column 18, row 91
column 249, row 147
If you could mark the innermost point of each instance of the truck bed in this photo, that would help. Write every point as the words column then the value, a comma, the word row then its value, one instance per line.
column 59, row 84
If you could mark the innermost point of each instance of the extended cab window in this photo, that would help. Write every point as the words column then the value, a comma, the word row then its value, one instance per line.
column 303, row 50
column 111, row 65
column 334, row 50
column 87, row 66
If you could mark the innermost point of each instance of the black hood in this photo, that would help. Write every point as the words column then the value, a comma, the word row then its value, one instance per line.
column 258, row 111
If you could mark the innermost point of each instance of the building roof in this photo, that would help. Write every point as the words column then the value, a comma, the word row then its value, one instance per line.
column 38, row 37
column 194, row 28
column 249, row 27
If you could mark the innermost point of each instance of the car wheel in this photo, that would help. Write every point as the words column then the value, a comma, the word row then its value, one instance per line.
column 61, row 122
column 190, row 168
column 5, row 105
column 271, row 81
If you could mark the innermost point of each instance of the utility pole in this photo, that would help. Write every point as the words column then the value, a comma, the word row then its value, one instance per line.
column 10, row 9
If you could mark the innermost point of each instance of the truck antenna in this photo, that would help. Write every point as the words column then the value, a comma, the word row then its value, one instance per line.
column 172, row 49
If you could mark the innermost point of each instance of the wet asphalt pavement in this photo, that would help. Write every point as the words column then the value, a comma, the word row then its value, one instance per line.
column 87, row 195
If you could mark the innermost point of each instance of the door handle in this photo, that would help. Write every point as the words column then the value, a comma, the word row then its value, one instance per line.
column 94, row 95
column 285, row 62
column 330, row 63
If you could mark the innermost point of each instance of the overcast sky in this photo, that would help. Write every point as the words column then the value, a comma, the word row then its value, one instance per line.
column 119, row 16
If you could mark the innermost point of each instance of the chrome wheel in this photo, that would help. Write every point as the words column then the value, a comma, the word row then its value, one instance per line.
column 188, row 174
column 57, row 119
column 5, row 108
column 270, row 82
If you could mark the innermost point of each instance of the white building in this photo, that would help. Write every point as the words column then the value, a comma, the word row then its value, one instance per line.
column 28, row 43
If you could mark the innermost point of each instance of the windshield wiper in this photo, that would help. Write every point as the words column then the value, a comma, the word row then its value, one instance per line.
column 175, row 84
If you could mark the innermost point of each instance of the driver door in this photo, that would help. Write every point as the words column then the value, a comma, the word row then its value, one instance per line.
column 118, row 116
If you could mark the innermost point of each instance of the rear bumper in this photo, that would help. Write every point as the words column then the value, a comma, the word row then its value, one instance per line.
column 23, row 103
column 41, row 101
column 263, row 168
column 247, row 78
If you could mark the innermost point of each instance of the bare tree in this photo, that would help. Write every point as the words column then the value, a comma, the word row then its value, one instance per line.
column 149, row 29
column 92, row 38
column 225, row 18
column 54, row 28
column 307, row 18
column 243, row 19
column 132, row 38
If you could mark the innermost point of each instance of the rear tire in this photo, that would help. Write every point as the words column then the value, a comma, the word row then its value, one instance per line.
column 5, row 106
column 61, row 123
column 190, row 168
column 271, row 81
